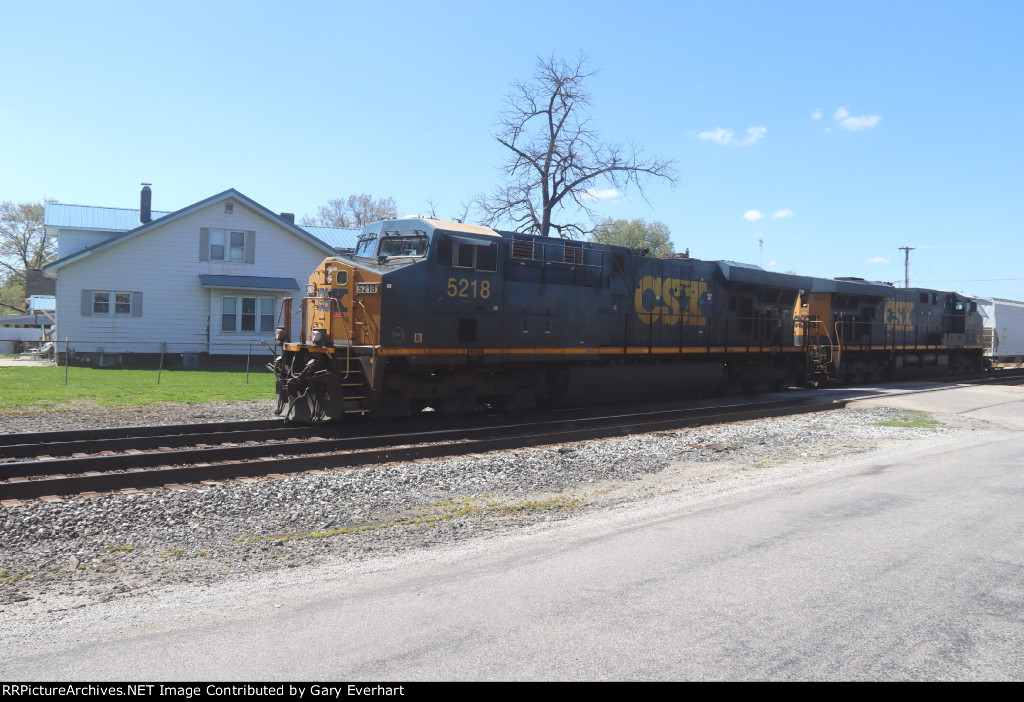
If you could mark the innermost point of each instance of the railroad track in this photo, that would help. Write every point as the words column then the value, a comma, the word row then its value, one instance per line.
column 124, row 439
column 97, row 460
column 57, row 437
column 45, row 475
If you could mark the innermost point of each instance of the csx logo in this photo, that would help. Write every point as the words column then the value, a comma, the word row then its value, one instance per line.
column 898, row 315
column 666, row 300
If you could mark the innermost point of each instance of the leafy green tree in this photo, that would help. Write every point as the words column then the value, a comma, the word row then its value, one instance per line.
column 24, row 244
column 12, row 295
column 557, row 159
column 355, row 212
column 637, row 234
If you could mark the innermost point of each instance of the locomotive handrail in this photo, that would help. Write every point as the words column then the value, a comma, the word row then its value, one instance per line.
column 822, row 323
column 831, row 345
column 369, row 321
column 348, row 346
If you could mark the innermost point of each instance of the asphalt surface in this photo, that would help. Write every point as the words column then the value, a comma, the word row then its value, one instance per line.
column 896, row 566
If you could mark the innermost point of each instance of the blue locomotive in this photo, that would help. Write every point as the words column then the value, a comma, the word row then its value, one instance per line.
column 428, row 313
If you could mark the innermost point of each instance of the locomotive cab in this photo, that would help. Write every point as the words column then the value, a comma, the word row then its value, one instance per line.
column 333, row 368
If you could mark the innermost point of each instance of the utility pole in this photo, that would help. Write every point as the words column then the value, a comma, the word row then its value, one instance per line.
column 906, row 264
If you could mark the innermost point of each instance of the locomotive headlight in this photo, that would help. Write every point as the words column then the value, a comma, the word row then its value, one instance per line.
column 318, row 337
column 279, row 335
column 311, row 290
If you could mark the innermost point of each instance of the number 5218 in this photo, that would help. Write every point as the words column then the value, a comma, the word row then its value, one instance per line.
column 461, row 287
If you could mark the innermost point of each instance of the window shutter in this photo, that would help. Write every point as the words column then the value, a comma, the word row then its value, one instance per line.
column 250, row 247
column 136, row 304
column 86, row 303
column 204, row 244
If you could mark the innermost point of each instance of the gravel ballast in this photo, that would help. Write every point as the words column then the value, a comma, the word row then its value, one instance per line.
column 62, row 555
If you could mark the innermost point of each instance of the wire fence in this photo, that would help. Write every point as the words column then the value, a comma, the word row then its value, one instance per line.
column 160, row 357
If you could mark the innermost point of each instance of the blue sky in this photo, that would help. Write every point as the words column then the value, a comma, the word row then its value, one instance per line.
column 851, row 128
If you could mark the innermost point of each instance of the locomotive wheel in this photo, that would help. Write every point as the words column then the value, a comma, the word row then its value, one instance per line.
column 395, row 404
column 463, row 401
column 524, row 398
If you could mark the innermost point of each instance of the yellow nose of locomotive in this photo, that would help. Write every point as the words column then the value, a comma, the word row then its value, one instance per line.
column 342, row 306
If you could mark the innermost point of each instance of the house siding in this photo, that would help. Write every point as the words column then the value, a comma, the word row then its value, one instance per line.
column 163, row 264
column 70, row 241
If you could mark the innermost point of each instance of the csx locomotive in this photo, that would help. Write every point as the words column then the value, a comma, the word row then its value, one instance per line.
column 427, row 313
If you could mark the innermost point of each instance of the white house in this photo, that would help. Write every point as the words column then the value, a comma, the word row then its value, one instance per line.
column 208, row 278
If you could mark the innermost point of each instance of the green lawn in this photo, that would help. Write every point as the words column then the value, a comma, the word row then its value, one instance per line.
column 44, row 386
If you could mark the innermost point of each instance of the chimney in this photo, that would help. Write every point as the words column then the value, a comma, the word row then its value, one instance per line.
column 146, row 204
column 290, row 216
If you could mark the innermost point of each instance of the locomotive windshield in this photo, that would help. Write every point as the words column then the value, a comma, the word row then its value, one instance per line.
column 367, row 244
column 412, row 244
column 392, row 244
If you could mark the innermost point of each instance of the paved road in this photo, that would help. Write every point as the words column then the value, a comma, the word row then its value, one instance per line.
column 907, row 568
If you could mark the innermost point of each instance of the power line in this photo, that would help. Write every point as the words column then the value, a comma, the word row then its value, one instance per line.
column 971, row 246
column 963, row 280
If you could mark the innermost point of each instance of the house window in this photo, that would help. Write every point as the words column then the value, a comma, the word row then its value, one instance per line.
column 267, row 314
column 227, row 245
column 110, row 302
column 247, row 314
column 122, row 303
column 228, row 308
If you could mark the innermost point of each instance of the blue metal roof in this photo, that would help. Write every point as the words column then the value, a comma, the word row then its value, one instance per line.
column 256, row 282
column 119, row 219
column 333, row 236
column 114, row 219
column 231, row 192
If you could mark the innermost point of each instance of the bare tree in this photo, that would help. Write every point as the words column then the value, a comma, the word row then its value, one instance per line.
column 558, row 159
column 353, row 213
column 23, row 245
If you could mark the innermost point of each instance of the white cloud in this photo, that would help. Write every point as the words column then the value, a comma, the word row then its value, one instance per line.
column 596, row 194
column 855, row 124
column 783, row 214
column 816, row 114
column 725, row 137
column 752, row 215
column 876, row 260
column 754, row 134
column 719, row 136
